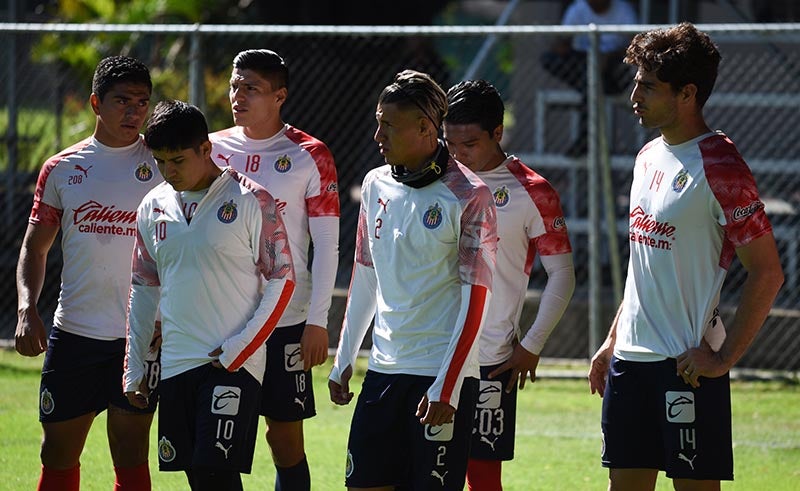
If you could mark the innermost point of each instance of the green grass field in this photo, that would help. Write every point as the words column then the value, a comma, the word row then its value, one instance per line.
column 558, row 438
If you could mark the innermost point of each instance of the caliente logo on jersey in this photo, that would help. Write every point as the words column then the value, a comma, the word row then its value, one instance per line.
column 501, row 196
column 679, row 406
column 490, row 394
column 144, row 172
column 432, row 217
column 283, row 164
column 227, row 213
column 292, row 357
column 441, row 433
column 225, row 400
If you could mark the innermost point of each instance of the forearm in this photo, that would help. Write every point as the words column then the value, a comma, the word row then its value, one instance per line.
column 447, row 386
column 555, row 298
column 237, row 349
column 325, row 238
column 758, row 293
column 30, row 278
column 142, row 311
column 359, row 311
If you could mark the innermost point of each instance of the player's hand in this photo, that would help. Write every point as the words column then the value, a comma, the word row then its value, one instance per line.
column 434, row 413
column 30, row 338
column 139, row 398
column 215, row 355
column 314, row 346
column 340, row 392
column 522, row 364
column 697, row 362
column 155, row 343
column 598, row 370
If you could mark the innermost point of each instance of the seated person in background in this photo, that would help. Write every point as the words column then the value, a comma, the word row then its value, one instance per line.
column 567, row 59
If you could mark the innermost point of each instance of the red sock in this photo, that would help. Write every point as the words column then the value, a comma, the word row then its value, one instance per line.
column 60, row 479
column 484, row 475
column 132, row 478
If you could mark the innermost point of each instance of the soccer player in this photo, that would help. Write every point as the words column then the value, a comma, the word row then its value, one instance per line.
column 299, row 171
column 90, row 191
column 206, row 240
column 693, row 206
column 529, row 222
column 425, row 253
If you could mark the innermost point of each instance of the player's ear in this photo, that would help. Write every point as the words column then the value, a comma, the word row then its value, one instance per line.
column 281, row 95
column 688, row 93
column 497, row 134
column 94, row 101
column 205, row 149
column 426, row 126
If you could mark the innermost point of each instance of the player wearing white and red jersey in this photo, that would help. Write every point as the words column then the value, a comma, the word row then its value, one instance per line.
column 704, row 173
column 299, row 171
column 694, row 205
column 90, row 192
column 206, row 273
column 425, row 252
column 215, row 299
column 79, row 191
column 405, row 266
column 529, row 223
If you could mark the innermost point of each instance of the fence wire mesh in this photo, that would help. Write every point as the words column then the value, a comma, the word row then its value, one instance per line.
column 336, row 76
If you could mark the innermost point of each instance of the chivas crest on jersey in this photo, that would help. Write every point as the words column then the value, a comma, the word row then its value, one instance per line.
column 283, row 164
column 227, row 213
column 46, row 402
column 144, row 172
column 166, row 452
column 501, row 196
column 433, row 216
column 680, row 181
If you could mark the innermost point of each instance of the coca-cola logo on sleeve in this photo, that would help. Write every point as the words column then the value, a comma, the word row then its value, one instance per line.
column 742, row 212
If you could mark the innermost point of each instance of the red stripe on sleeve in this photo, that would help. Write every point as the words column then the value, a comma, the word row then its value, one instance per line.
column 477, row 304
column 266, row 329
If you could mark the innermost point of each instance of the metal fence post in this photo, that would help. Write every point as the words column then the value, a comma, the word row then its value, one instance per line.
column 592, row 161
column 197, row 94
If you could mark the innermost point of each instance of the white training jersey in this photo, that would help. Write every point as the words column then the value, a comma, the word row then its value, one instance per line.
column 691, row 206
column 91, row 191
column 529, row 221
column 209, row 272
column 423, row 269
column 299, row 172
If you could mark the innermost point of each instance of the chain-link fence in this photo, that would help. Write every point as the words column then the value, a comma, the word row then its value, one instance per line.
column 336, row 76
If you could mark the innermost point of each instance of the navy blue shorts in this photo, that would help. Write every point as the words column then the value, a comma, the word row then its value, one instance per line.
column 652, row 419
column 208, row 418
column 388, row 445
column 82, row 375
column 493, row 430
column 287, row 393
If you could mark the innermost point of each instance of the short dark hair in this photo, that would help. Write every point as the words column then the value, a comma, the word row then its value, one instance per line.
column 266, row 63
column 119, row 69
column 175, row 125
column 413, row 89
column 679, row 55
column 475, row 102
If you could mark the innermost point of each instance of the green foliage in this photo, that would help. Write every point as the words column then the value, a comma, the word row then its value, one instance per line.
column 37, row 132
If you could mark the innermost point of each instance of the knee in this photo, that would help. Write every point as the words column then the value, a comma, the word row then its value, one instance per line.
column 286, row 442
